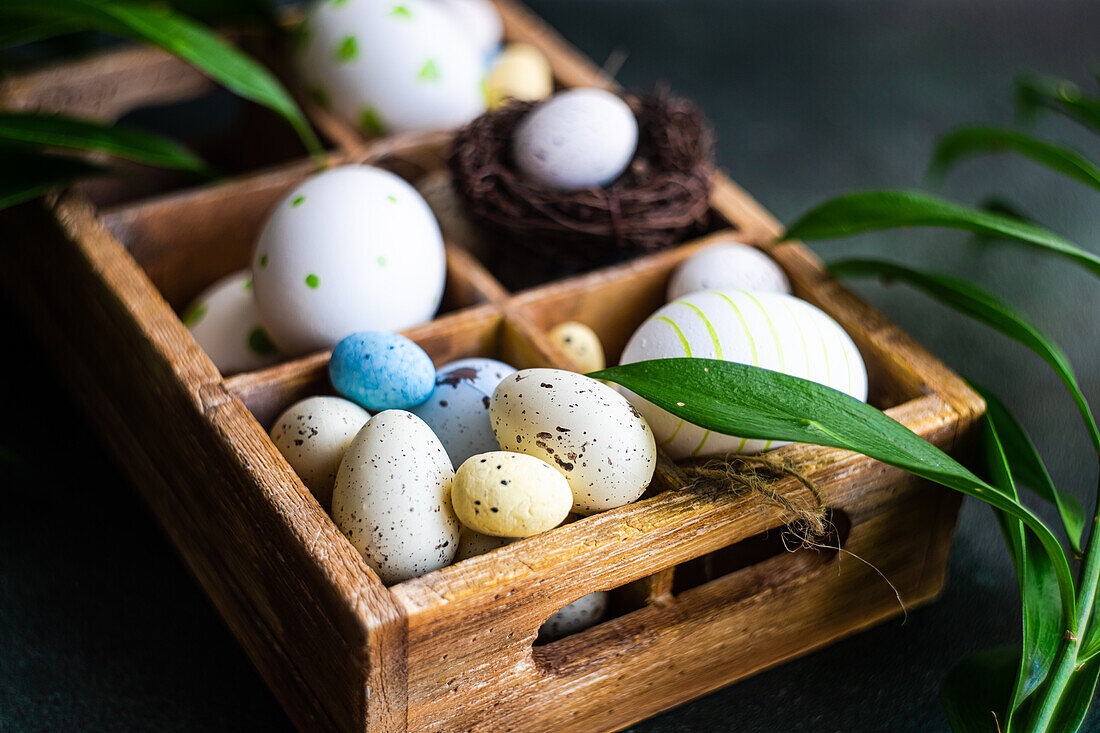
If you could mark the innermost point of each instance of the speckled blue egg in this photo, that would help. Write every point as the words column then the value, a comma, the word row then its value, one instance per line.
column 458, row 410
column 381, row 371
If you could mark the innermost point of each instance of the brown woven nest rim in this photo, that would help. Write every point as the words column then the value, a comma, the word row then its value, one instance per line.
column 661, row 199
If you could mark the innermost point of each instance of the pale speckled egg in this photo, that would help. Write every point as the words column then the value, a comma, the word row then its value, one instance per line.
column 389, row 66
column 770, row 330
column 576, row 139
column 581, row 344
column 520, row 72
column 352, row 249
column 728, row 266
column 312, row 434
column 224, row 321
column 381, row 370
column 392, row 498
column 507, row 494
column 577, row 616
column 582, row 427
column 458, row 408
column 472, row 543
column 480, row 21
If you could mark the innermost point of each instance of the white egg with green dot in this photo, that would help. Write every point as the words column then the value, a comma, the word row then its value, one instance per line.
column 224, row 321
column 771, row 330
column 390, row 66
column 351, row 249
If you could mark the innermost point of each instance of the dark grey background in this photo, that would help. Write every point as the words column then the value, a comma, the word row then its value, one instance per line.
column 101, row 626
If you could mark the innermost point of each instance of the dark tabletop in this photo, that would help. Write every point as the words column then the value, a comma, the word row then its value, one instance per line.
column 102, row 627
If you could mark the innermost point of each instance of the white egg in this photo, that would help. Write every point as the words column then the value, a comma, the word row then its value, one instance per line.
column 391, row 66
column 480, row 21
column 392, row 498
column 313, row 434
column 577, row 616
column 576, row 139
column 582, row 427
column 728, row 266
column 458, row 410
column 224, row 321
column 352, row 249
column 771, row 330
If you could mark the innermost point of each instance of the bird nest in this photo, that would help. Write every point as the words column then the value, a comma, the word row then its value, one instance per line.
column 661, row 199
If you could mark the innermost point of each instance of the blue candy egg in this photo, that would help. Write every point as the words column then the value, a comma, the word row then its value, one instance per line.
column 381, row 371
column 458, row 410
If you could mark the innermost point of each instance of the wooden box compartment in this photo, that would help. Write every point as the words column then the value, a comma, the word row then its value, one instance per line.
column 706, row 592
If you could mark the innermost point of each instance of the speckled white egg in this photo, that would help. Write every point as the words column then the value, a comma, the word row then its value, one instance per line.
column 392, row 498
column 354, row 248
column 224, row 321
column 728, row 266
column 577, row 616
column 481, row 22
column 576, row 139
column 458, row 409
column 582, row 427
column 508, row 494
column 472, row 543
column 390, row 66
column 771, row 330
column 520, row 72
column 581, row 344
column 313, row 434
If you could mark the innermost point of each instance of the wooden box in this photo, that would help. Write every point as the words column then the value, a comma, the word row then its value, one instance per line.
column 705, row 592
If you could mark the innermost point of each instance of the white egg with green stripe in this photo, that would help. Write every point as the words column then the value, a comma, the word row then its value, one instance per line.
column 770, row 330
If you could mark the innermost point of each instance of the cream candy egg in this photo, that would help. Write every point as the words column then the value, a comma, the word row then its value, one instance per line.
column 577, row 616
column 728, row 266
column 224, row 321
column 480, row 21
column 582, row 427
column 352, row 249
column 458, row 408
column 576, row 139
column 391, row 66
column 313, row 434
column 510, row 495
column 519, row 72
column 392, row 498
column 771, row 330
column 472, row 543
column 581, row 344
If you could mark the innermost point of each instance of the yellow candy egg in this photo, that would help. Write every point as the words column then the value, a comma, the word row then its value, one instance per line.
column 581, row 344
column 506, row 494
column 520, row 72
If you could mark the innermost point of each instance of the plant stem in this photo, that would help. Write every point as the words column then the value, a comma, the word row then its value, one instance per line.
column 1066, row 663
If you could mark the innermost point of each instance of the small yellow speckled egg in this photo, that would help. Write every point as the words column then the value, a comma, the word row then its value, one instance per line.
column 520, row 72
column 581, row 344
column 510, row 494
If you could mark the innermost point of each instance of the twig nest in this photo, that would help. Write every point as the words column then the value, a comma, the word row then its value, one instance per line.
column 662, row 197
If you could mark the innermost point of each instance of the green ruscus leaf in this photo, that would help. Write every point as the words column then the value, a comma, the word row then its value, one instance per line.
column 878, row 210
column 1028, row 467
column 977, row 691
column 32, row 131
column 737, row 399
column 1035, row 93
column 24, row 177
column 179, row 36
column 987, row 308
column 967, row 142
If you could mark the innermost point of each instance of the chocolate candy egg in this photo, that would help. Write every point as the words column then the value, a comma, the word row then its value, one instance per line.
column 458, row 408
column 771, row 330
column 582, row 427
column 224, row 321
column 576, row 139
column 381, row 371
column 312, row 434
column 389, row 67
column 352, row 249
column 510, row 495
column 392, row 497
column 728, row 266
